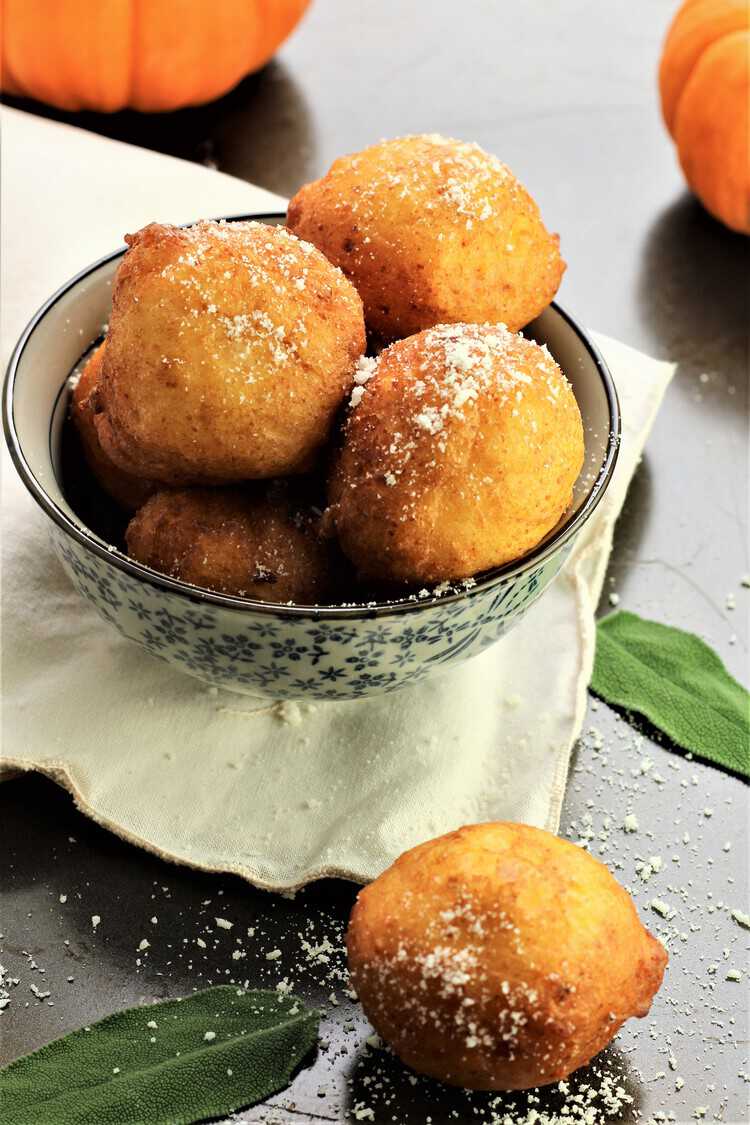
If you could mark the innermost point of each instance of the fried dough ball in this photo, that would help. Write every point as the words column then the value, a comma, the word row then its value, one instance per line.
column 234, row 541
column 230, row 348
column 500, row 957
column 459, row 454
column 431, row 230
column 127, row 490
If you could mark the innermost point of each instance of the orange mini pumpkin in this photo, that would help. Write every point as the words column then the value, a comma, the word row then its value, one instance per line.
column 704, row 79
column 143, row 54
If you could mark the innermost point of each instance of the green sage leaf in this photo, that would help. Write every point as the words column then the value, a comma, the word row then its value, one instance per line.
column 678, row 683
column 173, row 1063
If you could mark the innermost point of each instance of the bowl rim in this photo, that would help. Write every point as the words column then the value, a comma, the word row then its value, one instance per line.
column 407, row 604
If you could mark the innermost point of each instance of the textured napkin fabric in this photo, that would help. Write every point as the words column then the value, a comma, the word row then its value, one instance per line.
column 286, row 793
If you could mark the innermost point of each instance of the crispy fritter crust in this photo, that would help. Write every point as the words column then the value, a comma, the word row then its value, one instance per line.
column 234, row 541
column 431, row 230
column 500, row 957
column 460, row 455
column 128, row 490
column 230, row 348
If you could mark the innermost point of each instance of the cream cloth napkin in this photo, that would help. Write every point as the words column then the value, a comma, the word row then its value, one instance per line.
column 288, row 793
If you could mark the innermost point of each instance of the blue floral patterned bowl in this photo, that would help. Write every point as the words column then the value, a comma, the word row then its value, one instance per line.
column 282, row 652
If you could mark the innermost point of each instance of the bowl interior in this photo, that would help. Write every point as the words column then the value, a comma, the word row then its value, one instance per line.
column 37, row 394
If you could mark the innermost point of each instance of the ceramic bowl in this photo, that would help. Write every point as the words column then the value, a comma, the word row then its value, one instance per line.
column 260, row 649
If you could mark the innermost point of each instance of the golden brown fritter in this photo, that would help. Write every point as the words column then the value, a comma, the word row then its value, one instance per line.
column 431, row 230
column 128, row 490
column 230, row 348
column 500, row 957
column 235, row 541
column 459, row 455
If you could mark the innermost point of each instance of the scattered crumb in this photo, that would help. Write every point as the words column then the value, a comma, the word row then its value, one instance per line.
column 289, row 712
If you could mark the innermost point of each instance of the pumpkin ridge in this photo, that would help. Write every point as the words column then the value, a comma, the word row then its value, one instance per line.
column 148, row 55
column 704, row 83
column 681, row 34
column 701, row 133
column 708, row 46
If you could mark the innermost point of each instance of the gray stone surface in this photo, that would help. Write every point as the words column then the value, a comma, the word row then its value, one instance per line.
column 565, row 94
